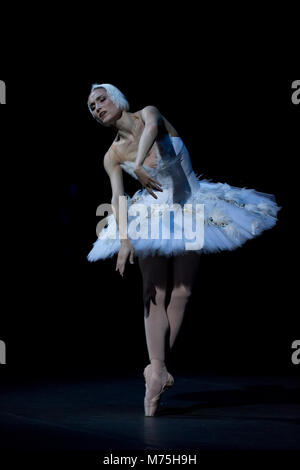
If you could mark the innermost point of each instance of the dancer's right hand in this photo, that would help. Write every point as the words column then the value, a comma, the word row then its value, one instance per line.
column 125, row 251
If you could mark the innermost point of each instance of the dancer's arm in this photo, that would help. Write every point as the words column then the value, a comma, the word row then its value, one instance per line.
column 153, row 120
column 154, row 126
column 114, row 172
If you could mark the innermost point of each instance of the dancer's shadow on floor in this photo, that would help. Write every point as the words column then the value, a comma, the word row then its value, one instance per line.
column 250, row 395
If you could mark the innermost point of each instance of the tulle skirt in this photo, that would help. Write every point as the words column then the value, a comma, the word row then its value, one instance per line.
column 215, row 217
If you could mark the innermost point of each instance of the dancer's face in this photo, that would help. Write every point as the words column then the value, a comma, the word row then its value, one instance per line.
column 102, row 107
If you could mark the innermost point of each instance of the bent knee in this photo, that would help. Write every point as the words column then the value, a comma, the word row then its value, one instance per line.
column 154, row 294
column 182, row 292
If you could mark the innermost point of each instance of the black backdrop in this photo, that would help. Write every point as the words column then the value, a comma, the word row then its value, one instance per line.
column 65, row 317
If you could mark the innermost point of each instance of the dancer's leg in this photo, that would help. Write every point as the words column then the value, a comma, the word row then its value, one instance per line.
column 185, row 268
column 154, row 272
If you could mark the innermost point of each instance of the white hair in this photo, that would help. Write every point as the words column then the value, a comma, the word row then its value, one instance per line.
column 114, row 94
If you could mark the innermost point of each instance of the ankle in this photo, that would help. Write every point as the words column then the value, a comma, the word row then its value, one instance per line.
column 158, row 365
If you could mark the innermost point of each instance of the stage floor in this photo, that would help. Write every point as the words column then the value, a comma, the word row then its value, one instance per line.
column 106, row 415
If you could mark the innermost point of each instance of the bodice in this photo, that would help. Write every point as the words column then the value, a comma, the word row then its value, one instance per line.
column 174, row 168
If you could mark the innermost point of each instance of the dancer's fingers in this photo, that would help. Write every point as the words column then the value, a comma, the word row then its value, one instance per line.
column 120, row 267
column 155, row 184
column 155, row 181
column 152, row 193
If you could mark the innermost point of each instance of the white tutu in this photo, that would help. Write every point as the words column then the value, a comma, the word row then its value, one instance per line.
column 228, row 215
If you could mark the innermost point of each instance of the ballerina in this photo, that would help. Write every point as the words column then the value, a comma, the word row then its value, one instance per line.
column 149, row 148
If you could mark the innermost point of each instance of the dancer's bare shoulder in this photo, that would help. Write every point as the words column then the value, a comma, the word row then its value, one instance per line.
column 153, row 112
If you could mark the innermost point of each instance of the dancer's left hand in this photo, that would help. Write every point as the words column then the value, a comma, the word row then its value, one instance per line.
column 125, row 251
column 147, row 181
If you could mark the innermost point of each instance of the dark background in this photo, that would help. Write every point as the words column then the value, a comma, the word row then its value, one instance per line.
column 65, row 317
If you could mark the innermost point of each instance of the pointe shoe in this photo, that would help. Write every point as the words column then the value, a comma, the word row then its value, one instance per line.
column 151, row 405
column 147, row 371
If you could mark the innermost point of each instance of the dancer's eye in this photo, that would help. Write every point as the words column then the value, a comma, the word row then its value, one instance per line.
column 101, row 99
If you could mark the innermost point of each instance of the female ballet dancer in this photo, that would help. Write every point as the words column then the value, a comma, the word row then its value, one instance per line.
column 148, row 148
